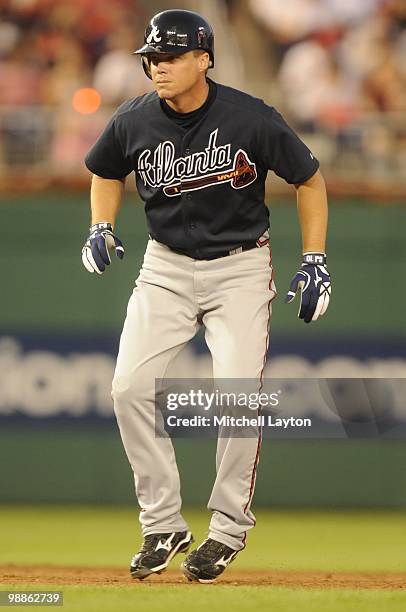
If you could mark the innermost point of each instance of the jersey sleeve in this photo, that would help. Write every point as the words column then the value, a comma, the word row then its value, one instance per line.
column 284, row 152
column 106, row 157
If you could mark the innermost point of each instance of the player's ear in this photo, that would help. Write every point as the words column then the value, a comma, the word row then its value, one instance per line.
column 204, row 61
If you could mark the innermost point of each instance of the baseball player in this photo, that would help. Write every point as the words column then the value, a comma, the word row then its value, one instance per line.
column 201, row 152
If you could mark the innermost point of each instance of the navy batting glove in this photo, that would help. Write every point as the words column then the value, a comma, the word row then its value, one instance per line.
column 95, row 252
column 314, row 283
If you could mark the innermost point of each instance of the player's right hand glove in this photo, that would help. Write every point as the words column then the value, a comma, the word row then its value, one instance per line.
column 314, row 283
column 95, row 252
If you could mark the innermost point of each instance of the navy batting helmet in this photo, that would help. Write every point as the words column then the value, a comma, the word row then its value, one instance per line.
column 176, row 31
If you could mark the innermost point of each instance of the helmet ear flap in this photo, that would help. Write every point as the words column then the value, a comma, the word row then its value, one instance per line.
column 145, row 65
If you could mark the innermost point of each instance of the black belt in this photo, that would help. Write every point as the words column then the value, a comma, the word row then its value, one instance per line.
column 254, row 244
column 244, row 247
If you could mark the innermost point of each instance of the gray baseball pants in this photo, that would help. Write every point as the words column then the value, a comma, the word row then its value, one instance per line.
column 232, row 296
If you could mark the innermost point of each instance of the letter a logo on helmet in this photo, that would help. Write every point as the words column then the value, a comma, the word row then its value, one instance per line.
column 176, row 31
column 154, row 35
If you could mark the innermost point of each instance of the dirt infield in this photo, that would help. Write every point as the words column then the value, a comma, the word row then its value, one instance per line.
column 113, row 576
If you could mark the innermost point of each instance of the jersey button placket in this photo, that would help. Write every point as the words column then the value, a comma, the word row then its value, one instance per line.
column 191, row 224
column 186, row 153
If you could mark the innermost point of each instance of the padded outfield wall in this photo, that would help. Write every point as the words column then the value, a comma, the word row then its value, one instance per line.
column 59, row 333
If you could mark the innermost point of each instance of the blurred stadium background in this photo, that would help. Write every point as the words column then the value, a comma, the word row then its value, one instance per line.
column 337, row 71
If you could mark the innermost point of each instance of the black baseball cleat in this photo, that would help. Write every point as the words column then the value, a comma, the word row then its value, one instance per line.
column 157, row 551
column 208, row 561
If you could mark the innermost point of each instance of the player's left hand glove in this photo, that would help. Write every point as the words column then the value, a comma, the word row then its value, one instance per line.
column 314, row 284
column 95, row 252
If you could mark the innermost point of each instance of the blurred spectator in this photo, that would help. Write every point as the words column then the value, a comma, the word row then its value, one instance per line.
column 68, row 72
column 118, row 74
column 315, row 90
column 385, row 85
column 9, row 36
column 295, row 19
column 20, row 79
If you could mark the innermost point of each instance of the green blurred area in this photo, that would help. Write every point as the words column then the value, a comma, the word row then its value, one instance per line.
column 46, row 288
column 290, row 540
column 86, row 464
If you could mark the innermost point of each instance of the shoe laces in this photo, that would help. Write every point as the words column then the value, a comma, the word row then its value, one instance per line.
column 151, row 541
column 212, row 546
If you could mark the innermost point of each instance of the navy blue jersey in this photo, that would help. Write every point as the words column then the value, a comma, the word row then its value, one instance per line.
column 203, row 187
